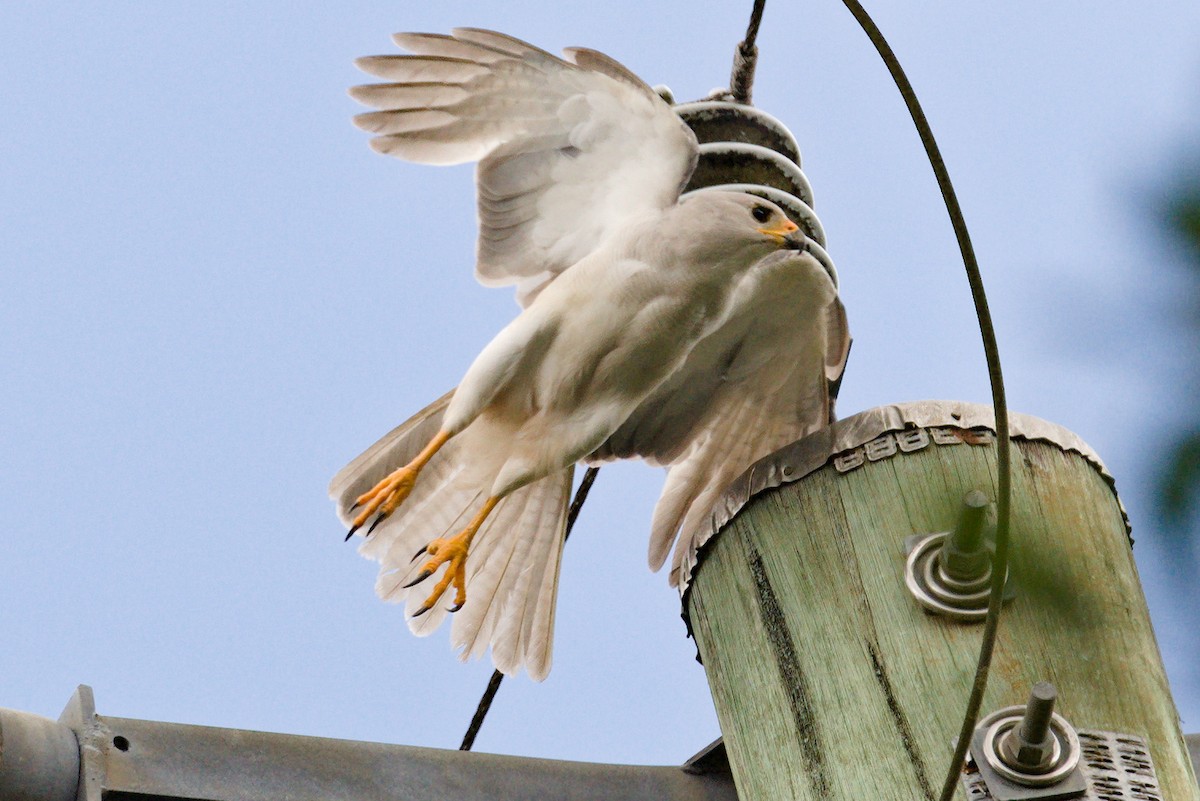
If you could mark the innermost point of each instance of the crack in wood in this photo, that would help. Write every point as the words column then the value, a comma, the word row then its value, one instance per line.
column 900, row 719
column 791, row 674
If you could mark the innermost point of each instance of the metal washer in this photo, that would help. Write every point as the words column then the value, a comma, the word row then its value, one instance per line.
column 1066, row 752
column 922, row 576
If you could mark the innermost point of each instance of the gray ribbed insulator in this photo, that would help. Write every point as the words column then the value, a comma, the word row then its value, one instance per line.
column 744, row 149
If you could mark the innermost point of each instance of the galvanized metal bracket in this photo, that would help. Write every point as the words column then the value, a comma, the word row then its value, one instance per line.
column 1061, row 778
column 80, row 716
column 1113, row 767
column 1027, row 752
column 89, row 757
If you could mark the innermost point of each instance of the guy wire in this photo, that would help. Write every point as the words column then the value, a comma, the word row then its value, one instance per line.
column 493, row 686
column 992, row 355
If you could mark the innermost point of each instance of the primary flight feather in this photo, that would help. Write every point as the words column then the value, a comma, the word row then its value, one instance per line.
column 695, row 332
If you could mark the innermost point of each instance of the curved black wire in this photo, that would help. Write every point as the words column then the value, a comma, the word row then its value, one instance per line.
column 992, row 355
column 489, row 693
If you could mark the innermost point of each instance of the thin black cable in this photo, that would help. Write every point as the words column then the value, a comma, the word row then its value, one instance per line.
column 485, row 704
column 992, row 355
column 745, row 57
column 493, row 686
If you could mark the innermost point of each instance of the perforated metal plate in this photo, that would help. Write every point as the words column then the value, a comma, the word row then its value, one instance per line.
column 1117, row 768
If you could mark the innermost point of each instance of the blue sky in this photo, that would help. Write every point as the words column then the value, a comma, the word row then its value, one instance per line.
column 213, row 295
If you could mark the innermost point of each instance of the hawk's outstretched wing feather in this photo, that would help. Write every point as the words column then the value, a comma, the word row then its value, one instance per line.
column 569, row 150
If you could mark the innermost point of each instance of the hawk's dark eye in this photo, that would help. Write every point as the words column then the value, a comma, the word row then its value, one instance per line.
column 761, row 213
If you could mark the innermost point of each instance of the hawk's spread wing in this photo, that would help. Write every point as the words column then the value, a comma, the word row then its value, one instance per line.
column 569, row 150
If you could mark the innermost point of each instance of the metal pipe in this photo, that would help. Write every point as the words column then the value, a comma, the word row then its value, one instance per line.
column 39, row 758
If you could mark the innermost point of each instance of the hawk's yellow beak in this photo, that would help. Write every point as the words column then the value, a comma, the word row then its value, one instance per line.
column 780, row 231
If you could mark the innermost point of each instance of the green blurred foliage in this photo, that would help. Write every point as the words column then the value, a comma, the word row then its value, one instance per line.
column 1179, row 484
column 1183, row 215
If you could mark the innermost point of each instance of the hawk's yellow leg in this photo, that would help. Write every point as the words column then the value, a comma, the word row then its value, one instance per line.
column 389, row 493
column 451, row 552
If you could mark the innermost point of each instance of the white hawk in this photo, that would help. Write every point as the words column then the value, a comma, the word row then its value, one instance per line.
column 697, row 333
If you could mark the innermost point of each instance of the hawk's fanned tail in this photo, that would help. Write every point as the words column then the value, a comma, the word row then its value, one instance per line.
column 512, row 571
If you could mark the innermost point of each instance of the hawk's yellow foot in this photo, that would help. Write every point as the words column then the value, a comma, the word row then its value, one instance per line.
column 451, row 552
column 386, row 496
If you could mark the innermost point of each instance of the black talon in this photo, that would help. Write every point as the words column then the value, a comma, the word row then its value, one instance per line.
column 355, row 506
column 377, row 521
column 424, row 574
column 422, row 611
column 455, row 608
column 422, row 550
column 350, row 533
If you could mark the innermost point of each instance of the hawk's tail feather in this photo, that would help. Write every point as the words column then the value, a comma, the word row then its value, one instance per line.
column 513, row 580
column 512, row 567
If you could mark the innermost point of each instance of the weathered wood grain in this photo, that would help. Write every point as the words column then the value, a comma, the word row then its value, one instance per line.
column 831, row 683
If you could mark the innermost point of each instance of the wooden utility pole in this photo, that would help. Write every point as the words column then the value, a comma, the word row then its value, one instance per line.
column 832, row 682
